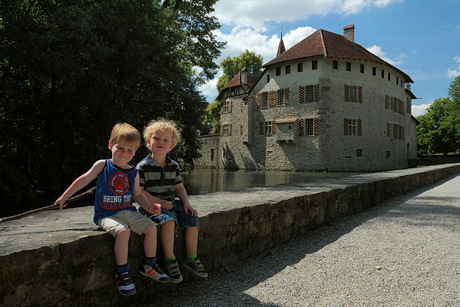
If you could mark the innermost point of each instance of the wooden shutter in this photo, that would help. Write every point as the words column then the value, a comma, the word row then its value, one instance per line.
column 345, row 126
column 259, row 100
column 286, row 96
column 360, row 127
column 316, row 126
column 301, row 126
column 316, row 93
column 301, row 94
column 271, row 99
column 360, row 94
column 347, row 93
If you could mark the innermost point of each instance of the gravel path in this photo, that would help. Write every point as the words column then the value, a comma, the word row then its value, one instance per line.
column 405, row 252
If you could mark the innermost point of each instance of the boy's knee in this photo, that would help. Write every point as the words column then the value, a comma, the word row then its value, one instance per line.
column 150, row 230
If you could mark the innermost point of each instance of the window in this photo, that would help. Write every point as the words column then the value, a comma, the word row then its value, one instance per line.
column 352, row 127
column 314, row 65
column 383, row 73
column 288, row 69
column 278, row 71
column 227, row 107
column 310, row 93
column 268, row 78
column 309, row 126
column 335, row 64
column 264, row 100
column 300, row 67
column 280, row 98
column 359, row 152
column 348, row 66
column 389, row 76
column 353, row 94
column 374, row 71
column 267, row 127
column 361, row 68
column 226, row 129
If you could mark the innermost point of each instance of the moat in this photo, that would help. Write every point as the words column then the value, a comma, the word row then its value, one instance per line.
column 204, row 181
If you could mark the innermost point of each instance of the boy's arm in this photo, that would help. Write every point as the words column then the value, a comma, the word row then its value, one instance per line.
column 80, row 183
column 143, row 201
column 181, row 192
column 155, row 200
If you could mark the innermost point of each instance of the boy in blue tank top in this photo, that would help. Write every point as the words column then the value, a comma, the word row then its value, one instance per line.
column 117, row 188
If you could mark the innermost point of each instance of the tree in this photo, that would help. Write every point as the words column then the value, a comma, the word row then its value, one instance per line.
column 436, row 131
column 231, row 66
column 454, row 95
column 69, row 70
column 212, row 117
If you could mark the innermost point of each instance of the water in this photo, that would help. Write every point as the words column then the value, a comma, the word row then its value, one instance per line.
column 204, row 181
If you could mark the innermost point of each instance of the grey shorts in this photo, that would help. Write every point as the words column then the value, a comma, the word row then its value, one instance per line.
column 125, row 220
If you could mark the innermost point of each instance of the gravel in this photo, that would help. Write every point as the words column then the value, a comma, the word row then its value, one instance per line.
column 405, row 252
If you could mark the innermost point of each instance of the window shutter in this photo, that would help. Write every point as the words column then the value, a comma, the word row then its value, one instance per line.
column 360, row 94
column 360, row 127
column 286, row 96
column 271, row 98
column 316, row 92
column 231, row 106
column 347, row 93
column 273, row 128
column 261, row 127
column 259, row 100
column 301, row 94
column 230, row 129
column 316, row 126
column 301, row 126
column 345, row 126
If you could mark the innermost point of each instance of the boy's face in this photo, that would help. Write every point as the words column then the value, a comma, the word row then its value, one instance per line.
column 122, row 152
column 161, row 142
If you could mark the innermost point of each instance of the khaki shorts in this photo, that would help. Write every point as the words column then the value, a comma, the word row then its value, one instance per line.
column 125, row 220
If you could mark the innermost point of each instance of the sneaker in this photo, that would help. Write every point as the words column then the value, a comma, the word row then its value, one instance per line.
column 125, row 284
column 196, row 267
column 154, row 272
column 175, row 276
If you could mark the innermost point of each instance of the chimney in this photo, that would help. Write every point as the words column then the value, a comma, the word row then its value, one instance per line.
column 244, row 76
column 349, row 32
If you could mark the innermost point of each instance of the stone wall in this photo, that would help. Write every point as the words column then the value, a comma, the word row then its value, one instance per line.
column 39, row 268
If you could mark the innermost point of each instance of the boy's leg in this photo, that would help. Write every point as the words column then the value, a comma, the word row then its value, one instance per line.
column 115, row 226
column 192, row 263
column 150, row 267
column 191, row 240
column 167, row 238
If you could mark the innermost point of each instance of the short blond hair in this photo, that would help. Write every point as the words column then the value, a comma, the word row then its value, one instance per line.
column 162, row 124
column 127, row 133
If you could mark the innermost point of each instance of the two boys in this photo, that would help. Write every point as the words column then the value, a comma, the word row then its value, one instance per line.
column 117, row 188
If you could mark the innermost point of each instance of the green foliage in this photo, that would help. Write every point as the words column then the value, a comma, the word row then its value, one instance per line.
column 70, row 70
column 212, row 117
column 436, row 132
column 231, row 66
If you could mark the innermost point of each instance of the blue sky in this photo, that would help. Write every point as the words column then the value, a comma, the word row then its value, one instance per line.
column 420, row 37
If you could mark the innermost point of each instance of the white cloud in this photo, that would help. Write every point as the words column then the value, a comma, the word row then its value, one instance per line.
column 377, row 50
column 452, row 73
column 418, row 110
column 255, row 13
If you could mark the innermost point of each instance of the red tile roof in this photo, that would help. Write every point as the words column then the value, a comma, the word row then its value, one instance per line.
column 332, row 45
column 236, row 81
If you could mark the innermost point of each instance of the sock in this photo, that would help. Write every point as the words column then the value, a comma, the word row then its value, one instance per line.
column 191, row 256
column 150, row 260
column 170, row 258
column 122, row 268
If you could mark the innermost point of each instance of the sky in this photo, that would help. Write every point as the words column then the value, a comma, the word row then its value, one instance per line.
column 420, row 37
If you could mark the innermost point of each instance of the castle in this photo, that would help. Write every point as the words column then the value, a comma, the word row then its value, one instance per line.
column 326, row 104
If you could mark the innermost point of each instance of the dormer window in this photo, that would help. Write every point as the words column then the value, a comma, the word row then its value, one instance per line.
column 314, row 65
column 288, row 69
column 278, row 71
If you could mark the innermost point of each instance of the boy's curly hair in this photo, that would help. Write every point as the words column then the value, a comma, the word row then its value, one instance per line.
column 163, row 125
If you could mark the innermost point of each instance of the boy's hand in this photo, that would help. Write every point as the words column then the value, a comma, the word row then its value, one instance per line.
column 61, row 202
column 156, row 209
column 165, row 204
column 188, row 208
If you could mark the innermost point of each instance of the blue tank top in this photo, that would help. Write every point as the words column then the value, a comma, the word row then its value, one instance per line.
column 114, row 191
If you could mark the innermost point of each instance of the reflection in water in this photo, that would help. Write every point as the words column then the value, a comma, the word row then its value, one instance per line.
column 203, row 181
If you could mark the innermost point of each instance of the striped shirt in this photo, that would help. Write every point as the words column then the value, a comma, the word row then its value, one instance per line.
column 158, row 181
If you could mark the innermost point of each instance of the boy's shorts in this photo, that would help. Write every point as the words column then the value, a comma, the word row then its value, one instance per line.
column 125, row 219
column 177, row 214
